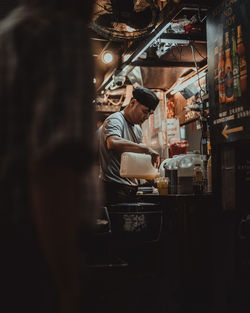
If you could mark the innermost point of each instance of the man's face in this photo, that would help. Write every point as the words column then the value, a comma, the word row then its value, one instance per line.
column 140, row 113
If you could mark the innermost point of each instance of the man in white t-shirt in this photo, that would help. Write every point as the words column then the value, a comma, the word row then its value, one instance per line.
column 121, row 132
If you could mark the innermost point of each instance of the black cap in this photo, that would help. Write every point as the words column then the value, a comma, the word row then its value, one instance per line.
column 146, row 97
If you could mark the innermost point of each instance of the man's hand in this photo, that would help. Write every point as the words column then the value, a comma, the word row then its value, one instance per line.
column 155, row 157
column 123, row 145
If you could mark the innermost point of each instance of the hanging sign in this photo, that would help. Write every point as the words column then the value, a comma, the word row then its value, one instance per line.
column 173, row 129
column 228, row 71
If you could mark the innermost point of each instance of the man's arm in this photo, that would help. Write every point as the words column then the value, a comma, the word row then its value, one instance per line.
column 123, row 145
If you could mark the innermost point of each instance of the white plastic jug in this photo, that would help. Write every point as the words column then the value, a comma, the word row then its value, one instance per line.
column 164, row 164
column 137, row 165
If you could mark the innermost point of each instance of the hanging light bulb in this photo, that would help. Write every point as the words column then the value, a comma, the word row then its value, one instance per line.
column 107, row 57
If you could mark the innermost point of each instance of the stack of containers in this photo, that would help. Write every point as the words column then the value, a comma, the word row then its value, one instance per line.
column 171, row 171
column 185, row 171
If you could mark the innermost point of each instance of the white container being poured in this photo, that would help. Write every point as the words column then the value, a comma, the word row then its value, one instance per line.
column 137, row 165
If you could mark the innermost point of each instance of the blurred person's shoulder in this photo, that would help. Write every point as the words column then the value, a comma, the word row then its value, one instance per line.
column 33, row 24
column 23, row 22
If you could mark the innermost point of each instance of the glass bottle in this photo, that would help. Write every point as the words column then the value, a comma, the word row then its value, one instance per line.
column 221, row 74
column 216, row 62
column 242, row 56
column 229, row 83
column 236, row 67
column 198, row 178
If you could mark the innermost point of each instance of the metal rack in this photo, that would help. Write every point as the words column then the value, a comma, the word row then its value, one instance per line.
column 169, row 13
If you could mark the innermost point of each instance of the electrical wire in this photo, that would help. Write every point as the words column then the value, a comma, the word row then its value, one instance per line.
column 201, row 122
column 204, row 58
column 197, row 70
column 104, row 7
column 180, row 51
column 199, row 16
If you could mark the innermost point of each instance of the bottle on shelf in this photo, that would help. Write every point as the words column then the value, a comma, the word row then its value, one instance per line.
column 236, row 67
column 208, row 145
column 216, row 62
column 242, row 57
column 221, row 73
column 198, row 178
column 229, row 82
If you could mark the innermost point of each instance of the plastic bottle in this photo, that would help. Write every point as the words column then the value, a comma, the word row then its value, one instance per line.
column 198, row 173
column 164, row 166
column 198, row 178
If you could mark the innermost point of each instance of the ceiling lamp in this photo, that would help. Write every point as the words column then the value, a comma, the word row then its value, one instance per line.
column 107, row 57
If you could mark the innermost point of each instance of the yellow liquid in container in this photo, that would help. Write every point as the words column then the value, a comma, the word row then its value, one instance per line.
column 163, row 191
column 162, row 185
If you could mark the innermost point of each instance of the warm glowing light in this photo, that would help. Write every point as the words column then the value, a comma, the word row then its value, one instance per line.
column 126, row 57
column 107, row 57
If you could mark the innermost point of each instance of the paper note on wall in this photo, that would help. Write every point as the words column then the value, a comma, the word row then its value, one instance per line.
column 173, row 130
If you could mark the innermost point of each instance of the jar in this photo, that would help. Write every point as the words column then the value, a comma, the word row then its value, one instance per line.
column 198, row 179
column 162, row 185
